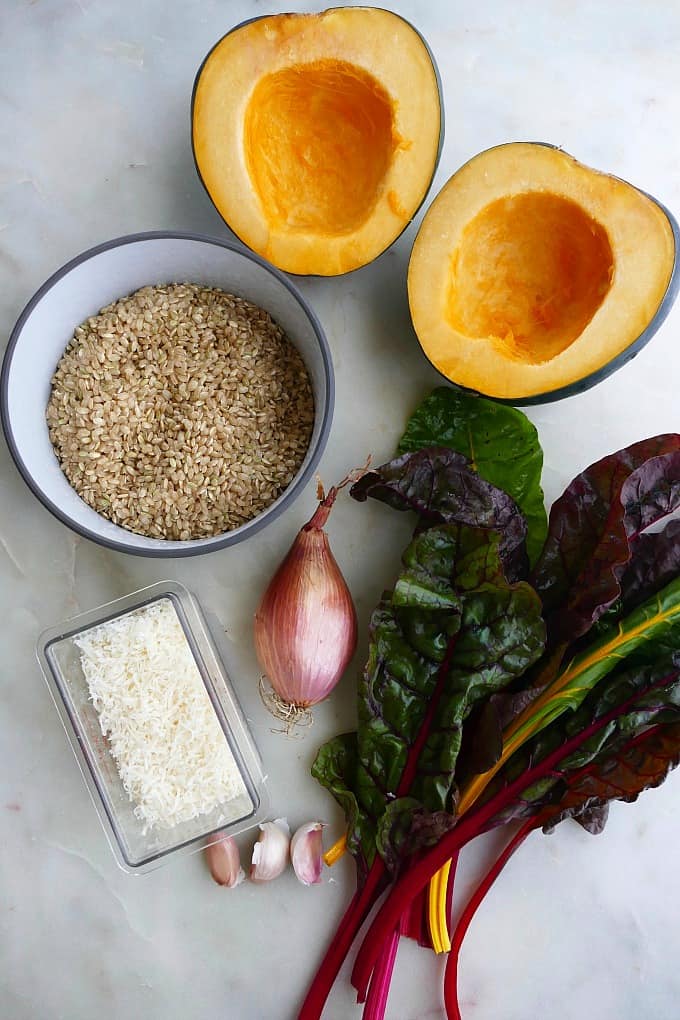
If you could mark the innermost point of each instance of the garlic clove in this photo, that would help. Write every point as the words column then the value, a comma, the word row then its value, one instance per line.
column 306, row 852
column 225, row 863
column 270, row 853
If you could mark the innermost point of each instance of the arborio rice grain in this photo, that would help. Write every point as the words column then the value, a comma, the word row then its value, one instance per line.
column 180, row 411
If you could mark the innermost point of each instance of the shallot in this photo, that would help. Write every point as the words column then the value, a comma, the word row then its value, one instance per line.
column 306, row 625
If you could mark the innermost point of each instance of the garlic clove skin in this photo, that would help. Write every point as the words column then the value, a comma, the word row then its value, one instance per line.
column 306, row 852
column 270, row 853
column 225, row 863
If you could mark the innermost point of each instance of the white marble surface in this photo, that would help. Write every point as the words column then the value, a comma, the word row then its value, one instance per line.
column 94, row 142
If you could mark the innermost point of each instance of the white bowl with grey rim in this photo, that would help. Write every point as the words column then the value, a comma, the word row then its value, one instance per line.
column 93, row 280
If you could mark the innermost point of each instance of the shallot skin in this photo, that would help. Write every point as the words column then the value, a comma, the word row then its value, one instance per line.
column 306, row 625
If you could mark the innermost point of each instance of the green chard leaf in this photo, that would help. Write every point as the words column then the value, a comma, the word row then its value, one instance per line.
column 437, row 648
column 406, row 826
column 335, row 767
column 501, row 445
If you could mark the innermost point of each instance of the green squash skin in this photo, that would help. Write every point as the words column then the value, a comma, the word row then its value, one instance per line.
column 440, row 91
column 633, row 349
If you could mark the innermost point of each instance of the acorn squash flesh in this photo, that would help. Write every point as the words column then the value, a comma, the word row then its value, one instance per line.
column 533, row 276
column 317, row 136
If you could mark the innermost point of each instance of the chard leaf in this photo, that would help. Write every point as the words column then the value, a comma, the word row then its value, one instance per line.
column 406, row 826
column 468, row 556
column 500, row 442
column 501, row 634
column 335, row 767
column 428, row 666
column 655, row 560
column 650, row 630
column 633, row 699
column 593, row 526
column 641, row 764
column 440, row 486
column 596, row 567
column 592, row 817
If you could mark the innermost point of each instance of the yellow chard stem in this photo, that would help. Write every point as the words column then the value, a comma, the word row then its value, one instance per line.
column 335, row 852
column 436, row 909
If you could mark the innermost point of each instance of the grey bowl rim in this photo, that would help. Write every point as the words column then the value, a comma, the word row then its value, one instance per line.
column 219, row 541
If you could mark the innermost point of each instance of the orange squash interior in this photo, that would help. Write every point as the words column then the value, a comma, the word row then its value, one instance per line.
column 533, row 276
column 318, row 142
column 530, row 272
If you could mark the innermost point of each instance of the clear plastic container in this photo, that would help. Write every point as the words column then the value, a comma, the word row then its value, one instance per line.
column 138, row 851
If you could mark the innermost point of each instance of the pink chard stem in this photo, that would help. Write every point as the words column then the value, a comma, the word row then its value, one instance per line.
column 376, row 1001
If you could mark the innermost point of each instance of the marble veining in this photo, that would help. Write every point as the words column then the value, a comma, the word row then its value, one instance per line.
column 94, row 135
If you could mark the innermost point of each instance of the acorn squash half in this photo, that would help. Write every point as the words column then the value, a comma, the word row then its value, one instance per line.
column 317, row 135
column 533, row 277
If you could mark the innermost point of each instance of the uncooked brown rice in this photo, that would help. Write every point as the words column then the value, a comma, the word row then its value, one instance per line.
column 180, row 412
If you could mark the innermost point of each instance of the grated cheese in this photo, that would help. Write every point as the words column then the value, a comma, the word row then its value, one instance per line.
column 170, row 750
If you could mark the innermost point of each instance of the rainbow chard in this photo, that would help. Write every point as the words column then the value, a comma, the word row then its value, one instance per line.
column 487, row 699
column 633, row 751
column 521, row 788
column 452, row 631
column 596, row 565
